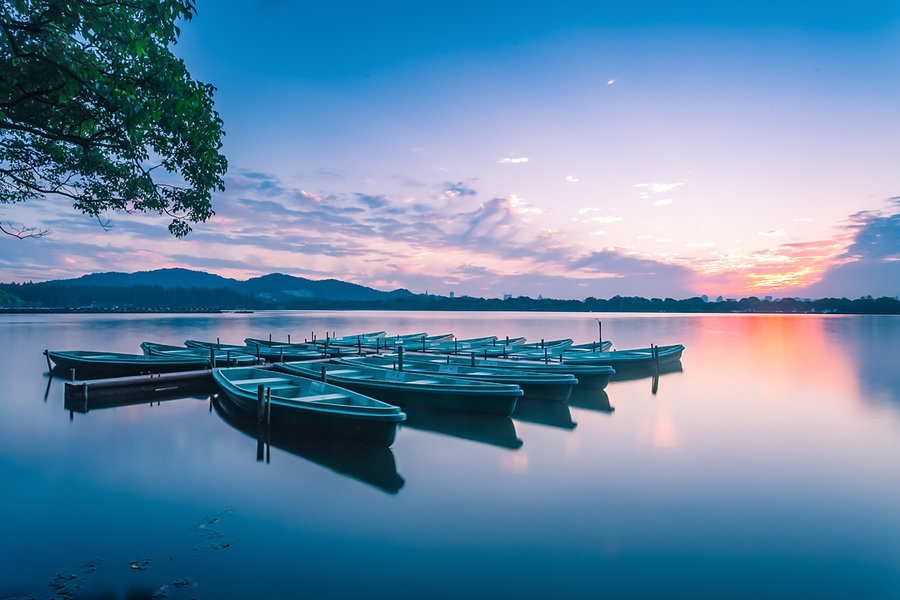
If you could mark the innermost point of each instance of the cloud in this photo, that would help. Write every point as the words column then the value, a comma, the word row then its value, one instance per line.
column 589, row 209
column 664, row 202
column 454, row 190
column 610, row 82
column 605, row 219
column 871, row 263
column 513, row 161
column 572, row 179
column 658, row 188
column 772, row 233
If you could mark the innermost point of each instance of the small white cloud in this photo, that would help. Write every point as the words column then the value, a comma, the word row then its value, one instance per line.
column 772, row 233
column 664, row 240
column 589, row 209
column 598, row 233
column 610, row 82
column 658, row 188
column 311, row 196
column 646, row 236
column 664, row 202
column 572, row 179
column 700, row 245
column 605, row 219
column 513, row 161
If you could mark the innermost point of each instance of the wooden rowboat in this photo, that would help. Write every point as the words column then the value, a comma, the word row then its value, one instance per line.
column 315, row 405
column 402, row 388
column 547, row 386
column 101, row 365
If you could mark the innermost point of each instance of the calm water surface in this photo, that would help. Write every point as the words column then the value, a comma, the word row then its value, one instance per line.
column 768, row 467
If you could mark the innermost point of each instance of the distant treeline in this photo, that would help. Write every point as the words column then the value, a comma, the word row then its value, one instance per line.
column 144, row 297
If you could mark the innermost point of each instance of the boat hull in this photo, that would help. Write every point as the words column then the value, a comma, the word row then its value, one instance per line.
column 97, row 365
column 494, row 399
column 375, row 429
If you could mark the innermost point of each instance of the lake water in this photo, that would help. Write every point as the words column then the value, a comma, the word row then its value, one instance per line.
column 768, row 467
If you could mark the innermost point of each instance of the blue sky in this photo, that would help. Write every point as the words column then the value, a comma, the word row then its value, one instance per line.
column 568, row 149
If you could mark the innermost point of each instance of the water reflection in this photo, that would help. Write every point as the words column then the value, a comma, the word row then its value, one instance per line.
column 373, row 465
column 495, row 430
column 641, row 373
column 597, row 400
column 543, row 412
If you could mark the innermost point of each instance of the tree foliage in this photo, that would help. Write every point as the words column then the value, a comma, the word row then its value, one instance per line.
column 94, row 107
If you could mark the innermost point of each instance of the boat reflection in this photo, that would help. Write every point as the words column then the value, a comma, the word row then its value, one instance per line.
column 369, row 464
column 84, row 405
column 597, row 400
column 495, row 430
column 644, row 372
column 542, row 412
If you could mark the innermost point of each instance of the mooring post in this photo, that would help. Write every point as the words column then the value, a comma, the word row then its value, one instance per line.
column 212, row 358
column 270, row 337
column 542, row 342
column 268, row 406
column 358, row 345
column 72, row 374
column 260, row 403
column 600, row 333
column 289, row 338
column 400, row 358
column 324, row 376
column 455, row 347
column 218, row 344
column 257, row 353
column 228, row 358
column 485, row 354
column 473, row 358
column 546, row 356
column 49, row 366
column 654, row 357
column 280, row 353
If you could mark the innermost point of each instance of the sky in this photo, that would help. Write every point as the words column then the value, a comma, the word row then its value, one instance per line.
column 565, row 149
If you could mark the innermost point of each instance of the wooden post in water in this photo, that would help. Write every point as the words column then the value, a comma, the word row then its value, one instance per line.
column 473, row 358
column 358, row 345
column 72, row 374
column 324, row 377
column 546, row 356
column 260, row 403
column 212, row 358
column 289, row 338
column 280, row 353
column 270, row 337
column 600, row 333
column 400, row 358
column 268, row 406
column 218, row 345
column 228, row 358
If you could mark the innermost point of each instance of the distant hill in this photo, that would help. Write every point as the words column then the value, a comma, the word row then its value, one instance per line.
column 275, row 288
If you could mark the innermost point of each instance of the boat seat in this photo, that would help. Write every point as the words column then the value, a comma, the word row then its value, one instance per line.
column 261, row 381
column 324, row 397
column 422, row 381
column 341, row 371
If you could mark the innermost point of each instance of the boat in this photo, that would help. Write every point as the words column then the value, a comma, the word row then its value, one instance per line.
column 621, row 360
column 530, row 351
column 589, row 376
column 548, row 386
column 489, row 344
column 408, row 389
column 312, row 405
column 226, row 357
column 271, row 354
column 89, row 364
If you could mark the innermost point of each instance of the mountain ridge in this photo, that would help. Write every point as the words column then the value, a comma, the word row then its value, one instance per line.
column 273, row 285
